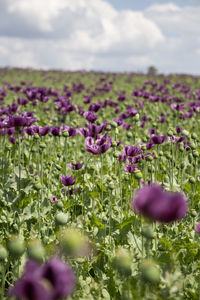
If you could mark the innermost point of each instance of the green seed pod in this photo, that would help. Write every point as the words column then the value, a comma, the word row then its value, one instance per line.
column 114, row 144
column 113, row 124
column 15, row 246
column 74, row 243
column 182, row 166
column 195, row 154
column 115, row 154
column 190, row 157
column 194, row 136
column 36, row 251
column 3, row 253
column 42, row 145
column 116, row 131
column 181, row 149
column 185, row 132
column 143, row 148
column 160, row 153
column 59, row 204
column 65, row 133
column 170, row 133
column 122, row 261
column 193, row 213
column 37, row 186
column 137, row 175
column 147, row 232
column 129, row 134
column 149, row 158
column 137, row 117
column 61, row 219
column 36, row 136
column 150, row 271
column 192, row 146
column 108, row 127
column 59, row 168
column 111, row 186
column 192, row 180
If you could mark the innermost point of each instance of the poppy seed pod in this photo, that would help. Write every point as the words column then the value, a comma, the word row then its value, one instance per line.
column 147, row 232
column 74, row 243
column 3, row 253
column 150, row 271
column 35, row 250
column 122, row 261
column 15, row 246
column 61, row 219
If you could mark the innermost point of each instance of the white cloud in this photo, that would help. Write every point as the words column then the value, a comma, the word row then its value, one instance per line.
column 91, row 34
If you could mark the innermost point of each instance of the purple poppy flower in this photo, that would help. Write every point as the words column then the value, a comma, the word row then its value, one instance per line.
column 55, row 130
column 60, row 276
column 44, row 130
column 76, row 166
column 179, row 129
column 100, row 147
column 68, row 180
column 156, row 204
column 131, row 150
column 157, row 140
column 29, row 286
column 130, row 168
column 71, row 130
column 197, row 228
column 181, row 139
column 12, row 139
column 34, row 283
column 90, row 116
column 53, row 199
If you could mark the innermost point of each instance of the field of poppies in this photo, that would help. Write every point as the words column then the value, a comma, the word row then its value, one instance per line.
column 100, row 186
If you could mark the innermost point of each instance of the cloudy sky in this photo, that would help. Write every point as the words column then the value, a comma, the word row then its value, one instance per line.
column 104, row 35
